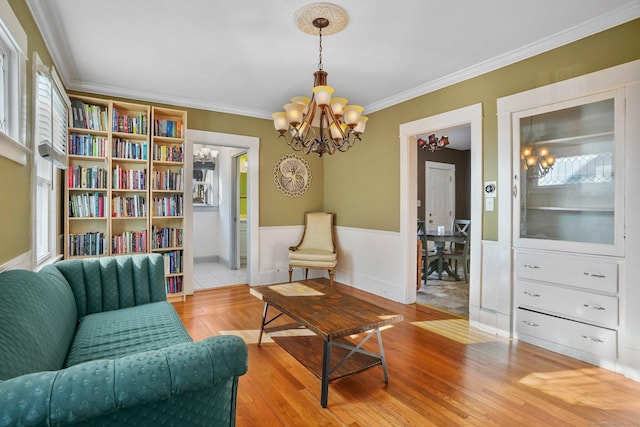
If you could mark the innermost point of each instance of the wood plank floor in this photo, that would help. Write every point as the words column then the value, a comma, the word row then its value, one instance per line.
column 440, row 374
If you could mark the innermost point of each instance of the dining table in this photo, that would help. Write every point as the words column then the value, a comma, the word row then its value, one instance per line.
column 440, row 239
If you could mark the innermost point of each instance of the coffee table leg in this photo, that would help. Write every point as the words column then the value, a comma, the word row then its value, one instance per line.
column 264, row 322
column 382, row 359
column 326, row 359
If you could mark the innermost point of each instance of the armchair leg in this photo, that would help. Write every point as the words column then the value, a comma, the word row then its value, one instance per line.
column 331, row 277
column 290, row 273
column 306, row 273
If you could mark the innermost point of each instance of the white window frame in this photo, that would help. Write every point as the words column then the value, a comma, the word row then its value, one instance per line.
column 50, row 133
column 13, row 40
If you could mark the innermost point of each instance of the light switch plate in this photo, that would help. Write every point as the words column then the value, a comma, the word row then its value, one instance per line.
column 488, row 204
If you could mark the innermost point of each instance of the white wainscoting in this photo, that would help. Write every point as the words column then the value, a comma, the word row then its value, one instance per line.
column 494, row 310
column 367, row 259
column 22, row 262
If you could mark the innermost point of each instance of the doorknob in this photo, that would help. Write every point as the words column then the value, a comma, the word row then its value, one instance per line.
column 430, row 221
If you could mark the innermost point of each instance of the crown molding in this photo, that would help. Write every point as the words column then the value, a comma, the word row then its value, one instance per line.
column 626, row 13
column 116, row 91
column 615, row 17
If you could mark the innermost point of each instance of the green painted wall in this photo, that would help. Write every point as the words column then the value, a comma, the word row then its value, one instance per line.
column 362, row 185
column 243, row 190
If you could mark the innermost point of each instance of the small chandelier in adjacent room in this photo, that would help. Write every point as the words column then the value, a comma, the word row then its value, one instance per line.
column 537, row 161
column 433, row 143
column 321, row 124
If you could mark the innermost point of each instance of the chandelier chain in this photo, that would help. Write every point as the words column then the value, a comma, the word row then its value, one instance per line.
column 320, row 51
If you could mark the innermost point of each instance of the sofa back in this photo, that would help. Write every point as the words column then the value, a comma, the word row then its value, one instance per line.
column 111, row 283
column 37, row 321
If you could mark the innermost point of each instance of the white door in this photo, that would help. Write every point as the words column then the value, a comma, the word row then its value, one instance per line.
column 439, row 194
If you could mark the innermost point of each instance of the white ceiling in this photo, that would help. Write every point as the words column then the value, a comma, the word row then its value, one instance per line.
column 248, row 57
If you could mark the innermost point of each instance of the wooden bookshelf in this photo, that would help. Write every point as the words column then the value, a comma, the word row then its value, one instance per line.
column 129, row 178
column 125, row 183
column 87, row 196
column 167, row 194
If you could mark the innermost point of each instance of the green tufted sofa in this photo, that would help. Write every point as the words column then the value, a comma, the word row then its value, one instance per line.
column 93, row 342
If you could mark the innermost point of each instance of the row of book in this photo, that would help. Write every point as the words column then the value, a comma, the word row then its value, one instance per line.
column 87, row 205
column 86, row 177
column 173, row 262
column 136, row 124
column 129, row 179
column 129, row 242
column 125, row 149
column 173, row 284
column 168, row 128
column 87, row 145
column 129, row 207
column 89, row 116
column 166, row 237
column 92, row 243
column 168, row 206
column 168, row 180
column 168, row 153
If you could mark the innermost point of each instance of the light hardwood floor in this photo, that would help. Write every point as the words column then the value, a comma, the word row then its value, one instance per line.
column 440, row 374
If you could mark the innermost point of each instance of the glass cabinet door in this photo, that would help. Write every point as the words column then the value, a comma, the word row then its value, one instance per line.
column 568, row 166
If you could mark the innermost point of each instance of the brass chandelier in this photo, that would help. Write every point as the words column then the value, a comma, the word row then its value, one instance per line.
column 433, row 143
column 322, row 124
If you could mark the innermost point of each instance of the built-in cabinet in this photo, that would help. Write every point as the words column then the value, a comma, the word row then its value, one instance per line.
column 124, row 185
column 574, row 239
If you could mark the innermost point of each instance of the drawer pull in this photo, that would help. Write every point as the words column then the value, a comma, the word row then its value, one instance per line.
column 599, row 276
column 534, row 266
column 531, row 294
column 594, row 339
column 535, row 325
column 594, row 307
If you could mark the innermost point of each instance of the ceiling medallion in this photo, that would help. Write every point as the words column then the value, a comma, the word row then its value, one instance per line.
column 292, row 175
column 321, row 124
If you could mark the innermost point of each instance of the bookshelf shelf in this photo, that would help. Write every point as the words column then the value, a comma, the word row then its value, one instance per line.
column 166, row 179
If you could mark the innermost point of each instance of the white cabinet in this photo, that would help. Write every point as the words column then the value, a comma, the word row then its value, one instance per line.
column 572, row 228
column 568, row 303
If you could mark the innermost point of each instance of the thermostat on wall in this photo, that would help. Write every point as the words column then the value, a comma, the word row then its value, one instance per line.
column 490, row 189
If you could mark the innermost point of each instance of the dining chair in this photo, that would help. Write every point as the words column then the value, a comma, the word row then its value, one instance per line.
column 316, row 248
column 459, row 251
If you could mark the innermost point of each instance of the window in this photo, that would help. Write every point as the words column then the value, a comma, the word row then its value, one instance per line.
column 50, row 141
column 13, row 66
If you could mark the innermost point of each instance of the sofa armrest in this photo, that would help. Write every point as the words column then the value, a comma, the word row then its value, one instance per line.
column 100, row 387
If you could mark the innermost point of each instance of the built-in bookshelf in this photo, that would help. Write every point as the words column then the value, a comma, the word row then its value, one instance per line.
column 87, row 181
column 129, row 178
column 167, row 194
column 125, row 183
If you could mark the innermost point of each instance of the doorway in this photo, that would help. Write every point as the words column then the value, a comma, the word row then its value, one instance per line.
column 409, row 133
column 215, row 257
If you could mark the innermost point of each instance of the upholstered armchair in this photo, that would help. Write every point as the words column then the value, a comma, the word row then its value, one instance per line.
column 316, row 248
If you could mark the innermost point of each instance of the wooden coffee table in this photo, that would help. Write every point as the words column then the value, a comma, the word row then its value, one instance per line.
column 332, row 316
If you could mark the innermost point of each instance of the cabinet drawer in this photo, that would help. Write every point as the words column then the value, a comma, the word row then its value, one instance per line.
column 579, row 305
column 583, row 272
column 598, row 341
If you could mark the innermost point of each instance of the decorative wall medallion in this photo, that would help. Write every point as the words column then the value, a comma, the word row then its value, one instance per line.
column 292, row 175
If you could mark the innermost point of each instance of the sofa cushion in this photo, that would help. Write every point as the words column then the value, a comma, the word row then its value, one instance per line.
column 38, row 317
column 110, row 283
column 127, row 331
